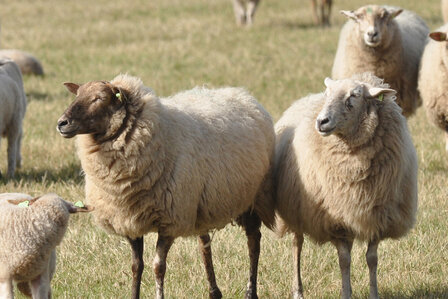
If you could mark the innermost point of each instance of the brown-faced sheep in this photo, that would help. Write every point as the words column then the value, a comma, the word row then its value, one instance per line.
column 388, row 42
column 345, row 168
column 29, row 235
column 28, row 64
column 433, row 80
column 178, row 166
column 12, row 112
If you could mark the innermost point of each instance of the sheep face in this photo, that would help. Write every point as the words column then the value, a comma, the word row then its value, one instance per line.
column 90, row 112
column 347, row 102
column 373, row 23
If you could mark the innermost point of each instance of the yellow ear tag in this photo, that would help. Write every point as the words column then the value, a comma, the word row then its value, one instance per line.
column 118, row 95
column 79, row 204
column 381, row 97
column 25, row 203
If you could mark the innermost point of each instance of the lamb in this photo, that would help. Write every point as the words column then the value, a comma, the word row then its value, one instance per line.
column 177, row 166
column 387, row 41
column 245, row 11
column 345, row 168
column 29, row 235
column 29, row 65
column 13, row 103
column 445, row 10
column 433, row 77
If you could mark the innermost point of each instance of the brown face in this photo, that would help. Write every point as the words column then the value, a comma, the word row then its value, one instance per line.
column 91, row 110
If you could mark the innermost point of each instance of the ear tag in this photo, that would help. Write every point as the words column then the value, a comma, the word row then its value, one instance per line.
column 118, row 95
column 25, row 203
column 79, row 204
column 369, row 10
column 381, row 97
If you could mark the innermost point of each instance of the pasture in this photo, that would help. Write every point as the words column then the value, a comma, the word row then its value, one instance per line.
column 175, row 45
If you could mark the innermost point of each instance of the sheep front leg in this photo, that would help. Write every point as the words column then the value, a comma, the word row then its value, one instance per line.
column 372, row 262
column 12, row 153
column 137, row 265
column 250, row 12
column 206, row 254
column 240, row 12
column 297, row 288
column 344, row 248
column 446, row 141
column 162, row 247
column 314, row 9
column 6, row 289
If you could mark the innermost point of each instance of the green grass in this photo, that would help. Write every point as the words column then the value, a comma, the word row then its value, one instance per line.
column 175, row 45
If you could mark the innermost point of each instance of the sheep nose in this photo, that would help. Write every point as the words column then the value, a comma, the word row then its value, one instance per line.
column 62, row 122
column 372, row 34
column 322, row 122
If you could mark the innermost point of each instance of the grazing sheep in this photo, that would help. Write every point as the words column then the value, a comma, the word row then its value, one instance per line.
column 245, row 11
column 387, row 41
column 345, row 168
column 178, row 166
column 433, row 80
column 28, row 64
column 12, row 112
column 445, row 10
column 28, row 238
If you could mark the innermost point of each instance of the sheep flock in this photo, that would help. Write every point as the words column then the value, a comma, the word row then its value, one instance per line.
column 339, row 166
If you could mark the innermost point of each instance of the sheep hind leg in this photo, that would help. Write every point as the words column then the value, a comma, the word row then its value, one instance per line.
column 251, row 224
column 162, row 247
column 250, row 11
column 297, row 288
column 344, row 248
column 206, row 254
column 12, row 153
column 446, row 141
column 239, row 8
column 372, row 262
column 137, row 265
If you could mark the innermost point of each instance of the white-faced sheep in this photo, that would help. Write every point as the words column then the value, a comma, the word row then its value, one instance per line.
column 28, row 64
column 245, row 11
column 12, row 112
column 433, row 79
column 29, row 235
column 178, row 166
column 388, row 42
column 345, row 168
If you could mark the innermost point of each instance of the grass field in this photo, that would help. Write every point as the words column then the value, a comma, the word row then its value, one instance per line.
column 175, row 45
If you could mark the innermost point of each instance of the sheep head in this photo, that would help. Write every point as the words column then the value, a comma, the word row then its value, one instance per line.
column 52, row 200
column 348, row 103
column 91, row 112
column 374, row 24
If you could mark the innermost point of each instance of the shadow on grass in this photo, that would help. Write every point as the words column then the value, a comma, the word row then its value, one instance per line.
column 423, row 293
column 295, row 24
column 70, row 172
column 36, row 96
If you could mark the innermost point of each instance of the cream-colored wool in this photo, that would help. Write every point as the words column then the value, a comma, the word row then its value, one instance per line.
column 396, row 58
column 433, row 80
column 182, row 166
column 28, row 64
column 445, row 10
column 12, row 111
column 362, row 187
column 28, row 238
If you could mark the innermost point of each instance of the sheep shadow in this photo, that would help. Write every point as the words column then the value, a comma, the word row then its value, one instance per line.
column 421, row 293
column 36, row 96
column 69, row 173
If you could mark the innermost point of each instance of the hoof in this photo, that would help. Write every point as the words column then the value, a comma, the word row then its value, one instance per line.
column 297, row 295
column 215, row 294
column 250, row 294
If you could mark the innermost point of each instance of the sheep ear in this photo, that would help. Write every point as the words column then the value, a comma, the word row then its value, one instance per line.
column 438, row 36
column 19, row 201
column 349, row 14
column 78, row 207
column 328, row 81
column 72, row 87
column 395, row 13
column 378, row 91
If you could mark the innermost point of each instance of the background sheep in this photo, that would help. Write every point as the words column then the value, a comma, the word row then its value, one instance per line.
column 345, row 169
column 387, row 41
column 28, row 64
column 179, row 166
column 245, row 11
column 445, row 10
column 12, row 112
column 29, row 236
column 433, row 80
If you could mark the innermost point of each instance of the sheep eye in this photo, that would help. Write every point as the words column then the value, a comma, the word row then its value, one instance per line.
column 348, row 103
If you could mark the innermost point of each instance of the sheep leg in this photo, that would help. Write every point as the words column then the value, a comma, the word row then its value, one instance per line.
column 314, row 9
column 326, row 11
column 446, row 141
column 12, row 153
column 206, row 254
column 19, row 146
column 344, row 248
column 250, row 11
column 372, row 262
column 240, row 12
column 297, row 288
column 162, row 247
column 40, row 286
column 6, row 289
column 137, row 265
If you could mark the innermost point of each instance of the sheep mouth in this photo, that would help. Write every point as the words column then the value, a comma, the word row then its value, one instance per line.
column 66, row 132
column 325, row 131
column 372, row 43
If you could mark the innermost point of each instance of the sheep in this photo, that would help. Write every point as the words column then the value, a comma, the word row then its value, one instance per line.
column 177, row 166
column 345, row 168
column 245, row 11
column 445, row 10
column 28, row 64
column 432, row 82
column 29, row 235
column 12, row 112
column 387, row 41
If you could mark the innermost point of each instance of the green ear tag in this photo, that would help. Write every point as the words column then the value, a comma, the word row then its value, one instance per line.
column 381, row 97
column 118, row 95
column 79, row 204
column 25, row 203
column 369, row 10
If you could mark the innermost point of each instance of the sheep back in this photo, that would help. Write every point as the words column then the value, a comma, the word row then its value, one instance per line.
column 187, row 164
column 328, row 190
column 27, row 63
